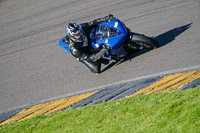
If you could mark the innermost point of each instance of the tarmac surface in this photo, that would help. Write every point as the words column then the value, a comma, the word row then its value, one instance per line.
column 33, row 68
column 156, row 84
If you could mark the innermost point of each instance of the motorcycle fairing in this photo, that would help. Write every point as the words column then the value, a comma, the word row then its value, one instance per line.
column 112, row 34
column 64, row 45
column 100, row 34
column 115, row 41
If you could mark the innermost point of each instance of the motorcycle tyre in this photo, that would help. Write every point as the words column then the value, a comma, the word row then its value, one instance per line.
column 144, row 41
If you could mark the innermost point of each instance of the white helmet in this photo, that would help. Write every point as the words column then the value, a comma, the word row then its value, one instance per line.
column 73, row 29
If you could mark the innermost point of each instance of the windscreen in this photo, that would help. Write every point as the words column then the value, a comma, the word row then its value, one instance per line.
column 103, row 32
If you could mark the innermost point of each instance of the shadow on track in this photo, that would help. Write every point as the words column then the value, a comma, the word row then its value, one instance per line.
column 170, row 36
column 163, row 39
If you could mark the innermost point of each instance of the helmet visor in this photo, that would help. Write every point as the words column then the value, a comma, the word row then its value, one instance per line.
column 76, row 31
column 73, row 29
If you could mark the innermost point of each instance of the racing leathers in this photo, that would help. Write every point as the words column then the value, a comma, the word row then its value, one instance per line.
column 80, row 48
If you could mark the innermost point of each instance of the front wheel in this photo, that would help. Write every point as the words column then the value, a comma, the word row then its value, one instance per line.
column 139, row 42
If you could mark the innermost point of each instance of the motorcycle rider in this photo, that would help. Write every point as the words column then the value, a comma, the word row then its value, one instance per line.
column 78, row 41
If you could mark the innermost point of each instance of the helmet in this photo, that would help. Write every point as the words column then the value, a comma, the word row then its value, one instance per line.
column 73, row 29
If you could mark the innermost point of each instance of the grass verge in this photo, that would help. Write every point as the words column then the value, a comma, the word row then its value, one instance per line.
column 177, row 111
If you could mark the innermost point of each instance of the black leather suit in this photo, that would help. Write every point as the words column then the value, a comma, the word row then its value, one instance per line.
column 78, row 49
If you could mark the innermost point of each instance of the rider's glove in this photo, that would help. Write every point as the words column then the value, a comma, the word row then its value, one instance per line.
column 102, row 51
column 97, row 56
column 105, row 46
column 109, row 17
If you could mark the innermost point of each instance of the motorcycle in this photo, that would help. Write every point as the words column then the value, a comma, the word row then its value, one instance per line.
column 119, row 40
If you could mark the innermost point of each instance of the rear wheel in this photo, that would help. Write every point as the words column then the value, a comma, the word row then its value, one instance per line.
column 139, row 42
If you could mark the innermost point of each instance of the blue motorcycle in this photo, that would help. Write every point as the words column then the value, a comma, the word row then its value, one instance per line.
column 119, row 40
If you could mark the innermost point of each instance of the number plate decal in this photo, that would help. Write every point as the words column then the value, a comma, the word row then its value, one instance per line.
column 116, row 24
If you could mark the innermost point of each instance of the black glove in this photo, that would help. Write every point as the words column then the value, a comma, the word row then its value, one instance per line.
column 97, row 56
column 109, row 17
column 105, row 46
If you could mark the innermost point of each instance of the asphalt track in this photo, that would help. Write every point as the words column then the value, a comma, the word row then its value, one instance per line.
column 33, row 68
column 172, row 82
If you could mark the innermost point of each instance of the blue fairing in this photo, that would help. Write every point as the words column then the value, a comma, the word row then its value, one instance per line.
column 115, row 40
column 111, row 33
column 64, row 45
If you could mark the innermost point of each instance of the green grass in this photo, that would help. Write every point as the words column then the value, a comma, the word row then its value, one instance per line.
column 171, row 112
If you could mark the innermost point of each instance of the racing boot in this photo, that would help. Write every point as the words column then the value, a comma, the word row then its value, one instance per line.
column 104, row 61
column 95, row 67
